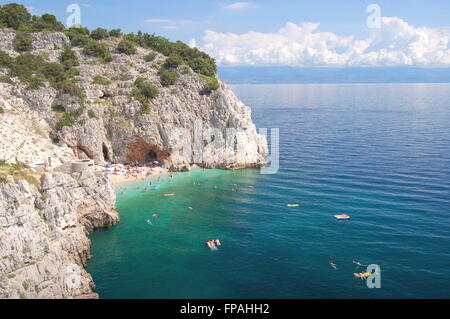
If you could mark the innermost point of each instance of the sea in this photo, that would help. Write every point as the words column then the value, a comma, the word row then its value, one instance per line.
column 379, row 153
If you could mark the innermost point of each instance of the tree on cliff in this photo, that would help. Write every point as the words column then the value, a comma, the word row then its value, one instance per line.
column 14, row 15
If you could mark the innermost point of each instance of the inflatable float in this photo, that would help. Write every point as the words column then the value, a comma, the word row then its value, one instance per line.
column 342, row 217
column 363, row 275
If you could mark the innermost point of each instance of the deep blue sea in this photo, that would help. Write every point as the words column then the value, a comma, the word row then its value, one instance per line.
column 378, row 152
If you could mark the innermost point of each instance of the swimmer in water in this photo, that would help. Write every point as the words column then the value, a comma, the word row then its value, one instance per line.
column 190, row 208
column 211, row 244
column 149, row 222
column 357, row 262
column 332, row 264
column 218, row 243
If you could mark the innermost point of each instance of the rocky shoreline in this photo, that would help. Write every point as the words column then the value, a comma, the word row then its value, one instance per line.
column 44, row 243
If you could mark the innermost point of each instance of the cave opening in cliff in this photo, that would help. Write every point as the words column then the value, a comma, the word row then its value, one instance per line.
column 106, row 154
column 152, row 156
column 142, row 152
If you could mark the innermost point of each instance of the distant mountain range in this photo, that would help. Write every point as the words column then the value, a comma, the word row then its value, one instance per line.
column 285, row 75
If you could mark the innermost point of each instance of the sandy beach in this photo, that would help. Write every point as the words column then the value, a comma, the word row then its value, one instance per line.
column 138, row 174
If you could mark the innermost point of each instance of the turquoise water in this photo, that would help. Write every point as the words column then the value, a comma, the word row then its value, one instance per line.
column 380, row 153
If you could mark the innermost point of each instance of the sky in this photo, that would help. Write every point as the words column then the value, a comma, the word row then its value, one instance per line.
column 283, row 32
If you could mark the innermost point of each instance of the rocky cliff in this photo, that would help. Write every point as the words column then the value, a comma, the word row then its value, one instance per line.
column 96, row 110
column 43, row 234
column 181, row 126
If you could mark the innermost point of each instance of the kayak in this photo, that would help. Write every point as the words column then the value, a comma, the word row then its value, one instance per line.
column 167, row 195
column 342, row 217
column 293, row 205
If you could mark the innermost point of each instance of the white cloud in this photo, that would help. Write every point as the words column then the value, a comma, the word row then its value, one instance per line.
column 396, row 43
column 31, row 10
column 192, row 43
column 238, row 6
column 168, row 21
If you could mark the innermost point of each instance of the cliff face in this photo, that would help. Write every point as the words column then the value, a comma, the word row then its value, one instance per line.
column 182, row 127
column 43, row 234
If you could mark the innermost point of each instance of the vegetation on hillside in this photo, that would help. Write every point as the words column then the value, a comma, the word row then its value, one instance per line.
column 19, row 171
column 35, row 69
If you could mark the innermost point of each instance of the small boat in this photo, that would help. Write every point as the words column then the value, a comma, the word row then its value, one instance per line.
column 342, row 217
column 293, row 205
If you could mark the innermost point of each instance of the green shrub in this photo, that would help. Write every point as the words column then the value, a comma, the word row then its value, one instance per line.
column 150, row 57
column 54, row 72
column 99, row 34
column 79, row 40
column 58, row 108
column 68, row 118
column 35, row 82
column 199, row 61
column 14, row 15
column 68, row 58
column 23, row 41
column 173, row 61
column 203, row 66
column 2, row 110
column 186, row 70
column 46, row 22
column 98, row 79
column 28, row 67
column 6, row 79
column 17, row 166
column 126, row 47
column 77, row 30
column 99, row 50
column 144, row 90
column 92, row 114
column 71, row 88
column 211, row 85
column 168, row 78
column 145, row 109
column 115, row 33
column 5, row 60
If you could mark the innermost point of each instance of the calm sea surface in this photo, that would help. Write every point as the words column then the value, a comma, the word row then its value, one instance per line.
column 379, row 152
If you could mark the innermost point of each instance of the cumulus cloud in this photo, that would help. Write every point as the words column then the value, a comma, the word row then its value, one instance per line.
column 192, row 43
column 396, row 43
column 238, row 6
